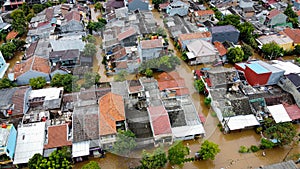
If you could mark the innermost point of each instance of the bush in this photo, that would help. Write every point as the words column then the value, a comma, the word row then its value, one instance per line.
column 207, row 101
column 266, row 144
column 244, row 149
column 254, row 148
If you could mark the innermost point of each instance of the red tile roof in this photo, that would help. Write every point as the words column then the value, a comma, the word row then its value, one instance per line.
column 159, row 120
column 120, row 53
column 111, row 110
column 12, row 35
column 18, row 101
column 197, row 35
column 73, row 15
column 220, row 47
column 57, row 137
column 170, row 80
column 273, row 13
column 182, row 91
column 31, row 49
column 42, row 24
column 34, row 63
column 122, row 65
column 49, row 13
column 293, row 111
column 149, row 44
column 129, row 32
column 198, row 73
column 294, row 34
column 204, row 12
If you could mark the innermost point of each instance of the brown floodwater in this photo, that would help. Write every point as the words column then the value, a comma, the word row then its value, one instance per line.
column 229, row 157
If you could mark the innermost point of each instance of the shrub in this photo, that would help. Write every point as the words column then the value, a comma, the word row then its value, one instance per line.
column 244, row 149
column 266, row 144
column 254, row 148
column 207, row 101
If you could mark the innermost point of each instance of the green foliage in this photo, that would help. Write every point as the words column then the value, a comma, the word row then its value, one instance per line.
column 67, row 81
column 165, row 63
column 90, row 79
column 296, row 50
column 235, row 55
column 297, row 60
column 283, row 132
column 266, row 144
column 96, row 26
column 8, row 50
column 125, row 142
column 6, row 83
column 89, row 50
column 148, row 72
column 58, row 159
column 98, row 6
column 161, row 31
column 290, row 12
column 230, row 20
column 208, row 150
column 91, row 165
column 218, row 15
column 19, row 21
column 244, row 149
column 246, row 34
column 37, row 83
column 121, row 76
column 155, row 160
column 37, row 8
column 25, row 8
column 29, row 16
column 91, row 39
column 254, row 148
column 184, row 56
column 248, row 52
column 177, row 153
column 272, row 50
column 199, row 85
column 157, row 2
column 207, row 101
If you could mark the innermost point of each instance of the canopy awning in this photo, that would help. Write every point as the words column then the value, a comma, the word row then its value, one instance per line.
column 279, row 113
column 81, row 149
column 184, row 131
column 241, row 122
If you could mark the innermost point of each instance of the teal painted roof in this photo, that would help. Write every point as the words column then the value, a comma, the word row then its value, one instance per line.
column 257, row 68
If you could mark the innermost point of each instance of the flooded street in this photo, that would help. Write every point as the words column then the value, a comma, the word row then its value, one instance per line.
column 229, row 157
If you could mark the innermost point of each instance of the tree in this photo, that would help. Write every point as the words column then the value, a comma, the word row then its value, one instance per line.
column 235, row 55
column 248, row 52
column 67, row 81
column 272, row 50
column 149, row 72
column 19, row 21
column 246, row 33
column 91, row 165
column 25, row 8
column 89, row 50
column 8, row 49
column 34, row 161
column 125, row 142
column 284, row 133
column 207, row 101
column 157, row 159
column 230, row 20
column 6, row 83
column 37, row 8
column 164, row 63
column 157, row 2
column 37, row 83
column 290, row 12
column 90, row 79
column 95, row 26
column 98, row 6
column 208, row 150
column 296, row 50
column 121, row 76
column 91, row 39
column 199, row 85
column 177, row 153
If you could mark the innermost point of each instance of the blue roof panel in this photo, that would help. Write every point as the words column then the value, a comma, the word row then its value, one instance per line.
column 257, row 68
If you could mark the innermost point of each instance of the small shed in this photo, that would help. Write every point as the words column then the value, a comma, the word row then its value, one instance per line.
column 256, row 74
column 279, row 113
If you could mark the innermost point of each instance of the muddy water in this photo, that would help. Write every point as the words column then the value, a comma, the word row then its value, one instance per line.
column 229, row 157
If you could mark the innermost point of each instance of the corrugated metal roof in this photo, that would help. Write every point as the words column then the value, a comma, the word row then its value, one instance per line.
column 257, row 68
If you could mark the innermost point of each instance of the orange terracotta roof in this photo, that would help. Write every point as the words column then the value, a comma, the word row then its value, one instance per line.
column 57, row 136
column 182, row 91
column 120, row 53
column 168, row 76
column 34, row 63
column 197, row 35
column 111, row 110
column 12, row 35
column 273, row 13
column 129, row 32
column 149, row 44
column 159, row 120
column 294, row 34
column 171, row 84
column 220, row 47
column 73, row 15
column 204, row 12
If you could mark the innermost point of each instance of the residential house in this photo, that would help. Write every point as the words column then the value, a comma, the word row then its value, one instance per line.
column 225, row 33
column 178, row 8
column 11, row 5
column 128, row 37
column 72, row 23
column 40, row 48
column 294, row 34
column 247, row 8
column 8, row 135
column 66, row 58
column 14, row 102
column 296, row 4
column 32, row 68
column 113, row 4
column 150, row 49
column 287, row 164
column 140, row 5
column 30, row 141
column 201, row 51
column 59, row 45
column 201, row 16
column 281, row 40
column 222, row 50
column 57, row 136
column 3, row 66
column 275, row 18
column 111, row 118
column 42, row 31
column 160, row 125
column 291, row 84
column 185, row 39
